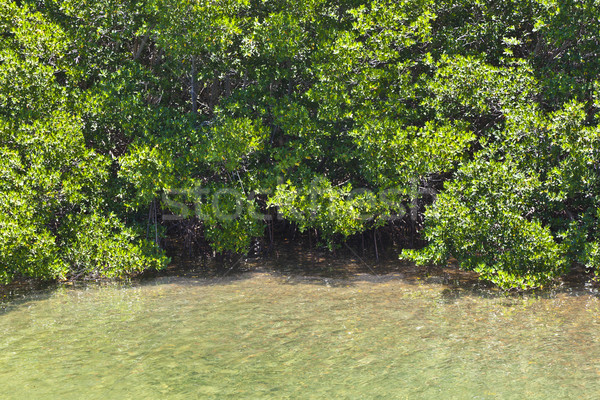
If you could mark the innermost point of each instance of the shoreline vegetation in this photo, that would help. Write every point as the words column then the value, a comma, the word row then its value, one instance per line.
column 439, row 130
column 294, row 264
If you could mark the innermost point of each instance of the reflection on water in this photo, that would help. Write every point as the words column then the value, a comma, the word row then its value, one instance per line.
column 260, row 335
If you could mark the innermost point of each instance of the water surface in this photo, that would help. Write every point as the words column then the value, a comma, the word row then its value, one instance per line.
column 259, row 335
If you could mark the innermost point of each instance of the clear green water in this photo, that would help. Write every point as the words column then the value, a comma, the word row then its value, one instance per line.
column 261, row 336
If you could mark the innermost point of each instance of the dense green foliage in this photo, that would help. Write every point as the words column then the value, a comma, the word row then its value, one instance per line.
column 336, row 113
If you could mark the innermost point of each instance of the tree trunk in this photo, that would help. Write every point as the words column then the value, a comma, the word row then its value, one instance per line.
column 193, row 93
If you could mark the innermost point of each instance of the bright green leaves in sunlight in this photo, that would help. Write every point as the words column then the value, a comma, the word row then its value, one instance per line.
column 334, row 211
column 231, row 141
column 468, row 86
column 148, row 170
column 481, row 219
column 392, row 154
column 53, row 185
column 332, row 115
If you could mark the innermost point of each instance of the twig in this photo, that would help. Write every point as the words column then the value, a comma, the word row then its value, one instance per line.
column 363, row 261
column 229, row 270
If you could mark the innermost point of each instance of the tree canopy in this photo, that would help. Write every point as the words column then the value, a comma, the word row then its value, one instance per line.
column 338, row 114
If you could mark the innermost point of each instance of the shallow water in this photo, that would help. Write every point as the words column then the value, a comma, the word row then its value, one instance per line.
column 259, row 335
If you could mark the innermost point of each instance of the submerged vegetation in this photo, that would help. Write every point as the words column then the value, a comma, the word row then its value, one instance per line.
column 474, row 122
